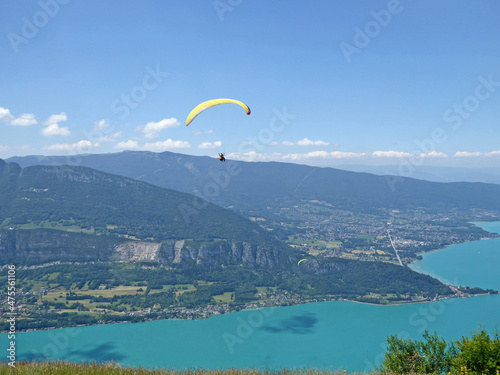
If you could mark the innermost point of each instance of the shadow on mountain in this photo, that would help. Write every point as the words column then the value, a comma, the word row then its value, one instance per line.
column 298, row 324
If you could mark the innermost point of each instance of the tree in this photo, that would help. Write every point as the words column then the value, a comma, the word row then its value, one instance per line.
column 479, row 354
column 431, row 355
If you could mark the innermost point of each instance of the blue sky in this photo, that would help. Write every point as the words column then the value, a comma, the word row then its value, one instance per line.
column 328, row 82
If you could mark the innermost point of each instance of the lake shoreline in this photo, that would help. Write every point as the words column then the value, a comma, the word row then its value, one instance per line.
column 455, row 297
column 253, row 307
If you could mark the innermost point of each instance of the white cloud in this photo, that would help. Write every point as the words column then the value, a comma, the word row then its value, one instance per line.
column 346, row 155
column 392, row 154
column 54, row 119
column 313, row 155
column 434, row 154
column 53, row 125
column 80, row 147
column 209, row 131
column 210, row 144
column 100, row 130
column 101, row 125
column 169, row 144
column 400, row 154
column 152, row 129
column 110, row 137
column 465, row 154
column 273, row 143
column 26, row 119
column 5, row 115
column 128, row 145
column 252, row 156
column 323, row 155
column 309, row 155
column 197, row 132
column 305, row 143
column 4, row 148
column 308, row 142
column 54, row 129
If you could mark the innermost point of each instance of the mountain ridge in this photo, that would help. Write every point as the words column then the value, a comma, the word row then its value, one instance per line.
column 79, row 230
column 109, row 204
column 256, row 185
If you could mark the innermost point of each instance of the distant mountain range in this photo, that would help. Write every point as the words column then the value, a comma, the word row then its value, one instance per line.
column 252, row 187
column 78, row 214
column 434, row 174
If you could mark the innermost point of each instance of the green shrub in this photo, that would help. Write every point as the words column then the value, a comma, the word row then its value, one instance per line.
column 479, row 354
column 431, row 355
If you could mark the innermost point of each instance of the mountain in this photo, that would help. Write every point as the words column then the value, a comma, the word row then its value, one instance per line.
column 432, row 173
column 253, row 187
column 114, row 204
column 84, row 217
column 95, row 206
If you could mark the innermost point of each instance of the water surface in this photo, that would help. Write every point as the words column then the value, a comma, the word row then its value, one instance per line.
column 473, row 264
column 337, row 335
column 332, row 335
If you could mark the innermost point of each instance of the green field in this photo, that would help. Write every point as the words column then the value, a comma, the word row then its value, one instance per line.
column 227, row 297
column 67, row 226
column 315, row 244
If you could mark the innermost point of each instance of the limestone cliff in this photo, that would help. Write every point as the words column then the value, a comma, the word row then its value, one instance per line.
column 46, row 245
column 226, row 253
column 132, row 251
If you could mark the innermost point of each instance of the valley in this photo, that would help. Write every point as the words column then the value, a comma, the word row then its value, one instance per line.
column 92, row 247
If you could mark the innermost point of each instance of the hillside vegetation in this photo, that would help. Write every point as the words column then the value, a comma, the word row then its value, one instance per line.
column 104, row 203
column 79, row 236
column 321, row 211
column 254, row 185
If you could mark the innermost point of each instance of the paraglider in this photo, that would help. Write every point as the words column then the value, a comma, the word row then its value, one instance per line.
column 211, row 103
column 300, row 261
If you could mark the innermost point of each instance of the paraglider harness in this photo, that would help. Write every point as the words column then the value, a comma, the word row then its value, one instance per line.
column 221, row 157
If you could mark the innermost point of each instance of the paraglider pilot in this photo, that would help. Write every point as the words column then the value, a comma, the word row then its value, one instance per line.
column 221, row 157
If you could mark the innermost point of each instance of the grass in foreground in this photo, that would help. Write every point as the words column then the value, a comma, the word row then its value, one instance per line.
column 110, row 368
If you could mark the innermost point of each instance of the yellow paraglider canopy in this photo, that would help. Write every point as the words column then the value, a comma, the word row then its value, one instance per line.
column 300, row 261
column 211, row 103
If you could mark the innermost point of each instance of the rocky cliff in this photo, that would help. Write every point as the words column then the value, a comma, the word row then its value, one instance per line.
column 46, row 245
column 226, row 253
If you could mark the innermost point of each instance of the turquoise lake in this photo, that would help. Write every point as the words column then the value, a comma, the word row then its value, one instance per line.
column 332, row 335
column 473, row 264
